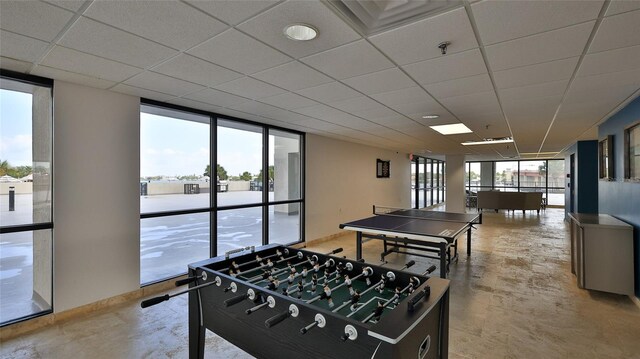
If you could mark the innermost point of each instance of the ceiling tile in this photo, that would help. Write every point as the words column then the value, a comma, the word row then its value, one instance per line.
column 74, row 61
column 374, row 113
column 139, row 92
column 33, row 18
column 215, row 97
column 239, row 52
column 396, row 121
column 355, row 104
column 195, row 104
column 617, row 31
column 623, row 59
column 473, row 103
column 548, row 46
column 269, row 26
column 534, row 74
column 599, row 84
column 332, row 91
column 459, row 87
column 288, row 101
column 232, row 11
column 14, row 65
column 478, row 122
column 448, row 67
column 419, row 41
column 192, row 69
column 73, row 5
column 524, row 93
column 258, row 108
column 350, row 60
column 499, row 21
column 381, row 81
column 250, row 88
column 620, row 6
column 104, row 41
column 21, row 47
column 292, row 76
column 61, row 75
column 163, row 22
column 398, row 97
column 420, row 108
column 165, row 84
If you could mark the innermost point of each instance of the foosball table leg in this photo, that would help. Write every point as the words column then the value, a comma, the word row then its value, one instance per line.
column 196, row 329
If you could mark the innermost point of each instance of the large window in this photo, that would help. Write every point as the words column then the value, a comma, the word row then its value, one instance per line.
column 632, row 153
column 189, row 212
column 546, row 176
column 427, row 182
column 25, row 198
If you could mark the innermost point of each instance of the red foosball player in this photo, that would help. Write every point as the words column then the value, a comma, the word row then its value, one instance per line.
column 326, row 294
column 378, row 311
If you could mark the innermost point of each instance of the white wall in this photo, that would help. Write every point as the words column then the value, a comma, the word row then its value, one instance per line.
column 455, row 195
column 341, row 183
column 96, row 206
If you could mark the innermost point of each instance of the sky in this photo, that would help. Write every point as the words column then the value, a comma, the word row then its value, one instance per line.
column 168, row 146
column 15, row 128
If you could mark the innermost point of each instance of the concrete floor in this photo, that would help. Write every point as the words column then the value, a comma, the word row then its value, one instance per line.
column 515, row 297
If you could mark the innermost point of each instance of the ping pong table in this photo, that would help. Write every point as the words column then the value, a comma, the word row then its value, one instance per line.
column 426, row 231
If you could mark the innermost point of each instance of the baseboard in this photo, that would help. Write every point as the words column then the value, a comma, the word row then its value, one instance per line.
column 16, row 329
column 636, row 300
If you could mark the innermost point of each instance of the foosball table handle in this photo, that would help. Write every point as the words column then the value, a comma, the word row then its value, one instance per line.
column 422, row 294
column 235, row 300
column 292, row 312
column 154, row 301
column 429, row 270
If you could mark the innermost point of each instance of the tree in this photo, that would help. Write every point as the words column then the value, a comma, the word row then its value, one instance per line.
column 221, row 172
column 4, row 167
column 245, row 176
column 271, row 174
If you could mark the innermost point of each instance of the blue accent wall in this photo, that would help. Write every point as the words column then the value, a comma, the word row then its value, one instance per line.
column 619, row 198
column 585, row 183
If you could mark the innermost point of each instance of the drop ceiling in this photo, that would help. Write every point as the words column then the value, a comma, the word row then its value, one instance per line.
column 544, row 72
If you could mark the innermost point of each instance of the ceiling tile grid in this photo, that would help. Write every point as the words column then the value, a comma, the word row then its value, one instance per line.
column 33, row 18
column 354, row 59
column 196, row 70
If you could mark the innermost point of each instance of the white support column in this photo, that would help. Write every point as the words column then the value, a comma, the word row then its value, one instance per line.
column 455, row 195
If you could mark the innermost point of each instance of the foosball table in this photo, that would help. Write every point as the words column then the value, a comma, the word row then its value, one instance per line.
column 282, row 302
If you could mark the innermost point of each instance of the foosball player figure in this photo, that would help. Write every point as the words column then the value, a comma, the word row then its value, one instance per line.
column 338, row 272
column 397, row 292
column 300, row 289
column 259, row 260
column 347, row 281
column 326, row 294
column 378, row 311
column 383, row 279
column 304, row 273
column 326, row 275
column 289, row 265
column 412, row 285
column 355, row 298
column 366, row 276
column 273, row 284
column 279, row 254
column 269, row 263
column 285, row 290
column 266, row 274
column 291, row 277
column 316, row 267
column 232, row 272
column 311, row 261
column 235, row 265
column 314, row 283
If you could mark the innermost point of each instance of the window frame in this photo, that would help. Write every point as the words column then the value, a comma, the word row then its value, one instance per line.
column 627, row 152
column 606, row 170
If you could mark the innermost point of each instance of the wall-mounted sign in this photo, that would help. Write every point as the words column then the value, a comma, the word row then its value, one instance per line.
column 382, row 168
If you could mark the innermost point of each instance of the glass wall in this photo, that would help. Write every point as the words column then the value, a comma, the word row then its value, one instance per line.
column 546, row 176
column 427, row 182
column 25, row 198
column 181, row 221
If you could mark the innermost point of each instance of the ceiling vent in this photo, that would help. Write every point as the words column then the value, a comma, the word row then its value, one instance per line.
column 374, row 16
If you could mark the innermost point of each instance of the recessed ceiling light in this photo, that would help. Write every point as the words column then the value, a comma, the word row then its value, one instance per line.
column 489, row 141
column 300, row 32
column 430, row 117
column 452, row 129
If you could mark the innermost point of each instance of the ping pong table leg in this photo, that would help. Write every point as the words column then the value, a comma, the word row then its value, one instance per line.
column 358, row 245
column 443, row 260
column 469, row 241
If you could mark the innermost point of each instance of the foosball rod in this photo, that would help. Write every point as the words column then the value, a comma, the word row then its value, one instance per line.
column 153, row 301
column 278, row 253
column 383, row 306
column 368, row 271
column 258, row 278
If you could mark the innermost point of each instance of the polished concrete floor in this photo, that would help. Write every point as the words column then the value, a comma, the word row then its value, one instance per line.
column 515, row 297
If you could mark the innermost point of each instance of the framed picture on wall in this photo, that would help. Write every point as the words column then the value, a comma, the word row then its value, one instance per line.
column 605, row 159
column 632, row 152
column 383, row 169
